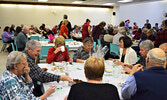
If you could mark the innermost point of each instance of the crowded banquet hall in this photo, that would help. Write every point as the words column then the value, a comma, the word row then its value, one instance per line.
column 83, row 49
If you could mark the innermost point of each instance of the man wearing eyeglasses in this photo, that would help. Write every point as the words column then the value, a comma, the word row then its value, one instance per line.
column 15, row 81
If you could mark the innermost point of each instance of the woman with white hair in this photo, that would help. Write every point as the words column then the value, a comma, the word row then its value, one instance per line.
column 121, row 32
column 15, row 81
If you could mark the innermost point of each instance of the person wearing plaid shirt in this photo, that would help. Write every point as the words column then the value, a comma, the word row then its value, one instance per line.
column 162, row 35
column 15, row 81
column 38, row 75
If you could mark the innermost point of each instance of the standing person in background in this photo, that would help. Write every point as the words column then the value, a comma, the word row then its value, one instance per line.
column 147, row 24
column 68, row 25
column 97, row 30
column 22, row 38
column 127, row 24
column 86, row 30
column 64, row 29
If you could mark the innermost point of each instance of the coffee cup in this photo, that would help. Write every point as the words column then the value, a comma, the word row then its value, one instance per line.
column 62, row 48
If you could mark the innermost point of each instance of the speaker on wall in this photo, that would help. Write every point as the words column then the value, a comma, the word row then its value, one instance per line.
column 114, row 13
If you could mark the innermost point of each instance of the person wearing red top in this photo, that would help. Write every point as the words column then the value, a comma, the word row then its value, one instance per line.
column 64, row 29
column 55, row 29
column 56, row 53
column 86, row 30
column 135, row 28
column 161, row 36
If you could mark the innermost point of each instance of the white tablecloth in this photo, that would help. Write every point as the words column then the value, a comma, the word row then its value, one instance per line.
column 73, row 46
column 34, row 35
column 76, row 71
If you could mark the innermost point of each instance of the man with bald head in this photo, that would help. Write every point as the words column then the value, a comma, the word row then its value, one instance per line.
column 149, row 84
column 164, row 48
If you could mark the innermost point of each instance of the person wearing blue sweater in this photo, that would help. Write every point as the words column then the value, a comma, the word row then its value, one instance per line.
column 149, row 84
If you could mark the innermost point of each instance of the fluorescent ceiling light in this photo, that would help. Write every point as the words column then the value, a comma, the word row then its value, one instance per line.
column 109, row 4
column 42, row 0
column 77, row 2
column 125, row 1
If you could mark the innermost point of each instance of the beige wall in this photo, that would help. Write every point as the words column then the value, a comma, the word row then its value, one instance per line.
column 50, row 15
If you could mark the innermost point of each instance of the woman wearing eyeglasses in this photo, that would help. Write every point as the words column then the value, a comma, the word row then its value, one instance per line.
column 59, row 52
column 85, row 51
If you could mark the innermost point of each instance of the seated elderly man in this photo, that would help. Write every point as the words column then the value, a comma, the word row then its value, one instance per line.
column 164, row 48
column 39, row 76
column 22, row 39
column 149, row 84
column 94, row 88
column 15, row 81
column 145, row 46
column 85, row 51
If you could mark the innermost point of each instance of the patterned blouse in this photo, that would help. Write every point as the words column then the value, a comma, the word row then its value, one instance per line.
column 82, row 54
column 13, row 87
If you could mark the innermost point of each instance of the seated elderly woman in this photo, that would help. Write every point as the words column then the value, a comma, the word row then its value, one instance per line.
column 59, row 52
column 15, row 81
column 84, row 51
column 127, row 54
column 94, row 88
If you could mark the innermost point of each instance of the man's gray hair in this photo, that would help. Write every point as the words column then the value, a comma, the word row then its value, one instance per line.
column 31, row 44
column 14, row 58
column 147, row 45
column 25, row 28
column 154, row 59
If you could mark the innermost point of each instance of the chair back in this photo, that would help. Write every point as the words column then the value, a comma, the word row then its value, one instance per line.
column 2, row 39
column 15, row 37
column 13, row 47
column 4, row 44
column 44, row 52
column 66, row 40
column 99, row 42
column 44, row 40
column 94, row 45
column 114, row 48
column 34, row 38
column 68, row 49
